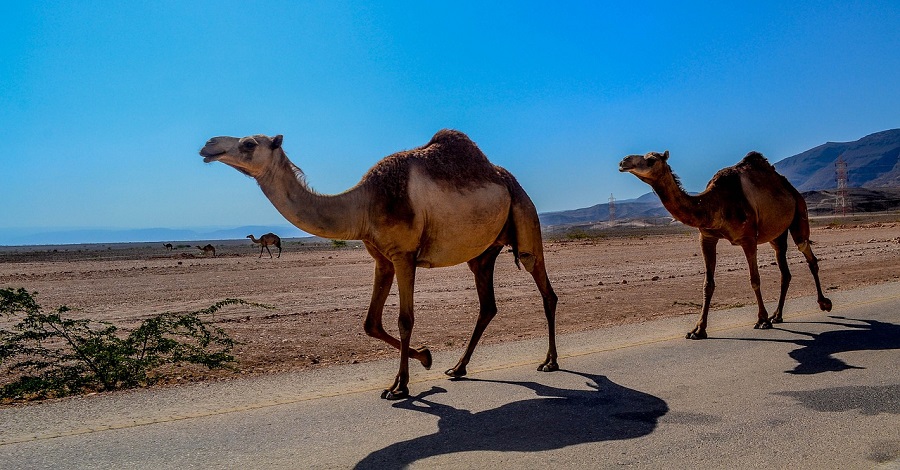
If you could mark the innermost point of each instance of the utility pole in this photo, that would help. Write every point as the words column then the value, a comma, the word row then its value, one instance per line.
column 612, row 208
column 841, row 203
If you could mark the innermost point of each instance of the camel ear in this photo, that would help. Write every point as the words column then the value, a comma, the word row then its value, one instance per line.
column 276, row 142
column 665, row 155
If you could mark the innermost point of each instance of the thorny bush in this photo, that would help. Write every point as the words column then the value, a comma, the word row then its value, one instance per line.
column 48, row 355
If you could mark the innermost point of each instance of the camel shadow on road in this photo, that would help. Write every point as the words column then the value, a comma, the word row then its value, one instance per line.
column 557, row 419
column 817, row 353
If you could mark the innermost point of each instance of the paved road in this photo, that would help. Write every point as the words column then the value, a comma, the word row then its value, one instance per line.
column 820, row 391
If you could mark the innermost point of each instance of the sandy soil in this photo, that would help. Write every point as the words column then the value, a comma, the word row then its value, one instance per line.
column 320, row 293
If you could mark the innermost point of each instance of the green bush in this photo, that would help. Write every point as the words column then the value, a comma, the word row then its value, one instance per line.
column 49, row 355
column 339, row 243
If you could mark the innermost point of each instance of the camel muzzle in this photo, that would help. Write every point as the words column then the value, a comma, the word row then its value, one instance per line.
column 209, row 156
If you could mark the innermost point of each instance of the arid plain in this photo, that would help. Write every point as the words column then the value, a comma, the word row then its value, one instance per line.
column 319, row 293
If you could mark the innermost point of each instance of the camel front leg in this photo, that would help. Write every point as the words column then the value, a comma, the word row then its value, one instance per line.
column 384, row 278
column 483, row 269
column 780, row 245
column 762, row 322
column 405, row 267
column 708, row 248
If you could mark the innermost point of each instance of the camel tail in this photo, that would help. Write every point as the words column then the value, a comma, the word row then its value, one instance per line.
column 524, row 228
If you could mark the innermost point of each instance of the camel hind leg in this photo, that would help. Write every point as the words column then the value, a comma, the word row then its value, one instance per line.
column 530, row 247
column 539, row 273
column 800, row 233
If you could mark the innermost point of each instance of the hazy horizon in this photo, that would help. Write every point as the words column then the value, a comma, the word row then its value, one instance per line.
column 105, row 105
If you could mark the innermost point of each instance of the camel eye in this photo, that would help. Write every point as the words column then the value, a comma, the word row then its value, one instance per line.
column 651, row 161
column 248, row 144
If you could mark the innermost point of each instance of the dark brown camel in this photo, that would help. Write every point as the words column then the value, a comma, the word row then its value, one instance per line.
column 747, row 204
column 207, row 250
column 168, row 246
column 438, row 205
column 266, row 240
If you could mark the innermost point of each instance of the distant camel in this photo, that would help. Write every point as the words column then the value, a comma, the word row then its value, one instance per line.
column 438, row 205
column 168, row 246
column 266, row 240
column 747, row 204
column 207, row 250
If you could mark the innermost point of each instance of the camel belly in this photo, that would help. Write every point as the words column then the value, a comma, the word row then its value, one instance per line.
column 457, row 224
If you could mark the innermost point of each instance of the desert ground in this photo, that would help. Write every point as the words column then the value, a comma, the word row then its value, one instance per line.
column 319, row 293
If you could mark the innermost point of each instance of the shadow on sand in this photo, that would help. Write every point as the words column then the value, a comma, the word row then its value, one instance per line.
column 559, row 418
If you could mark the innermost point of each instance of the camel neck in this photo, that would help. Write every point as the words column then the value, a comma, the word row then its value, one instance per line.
column 687, row 209
column 336, row 217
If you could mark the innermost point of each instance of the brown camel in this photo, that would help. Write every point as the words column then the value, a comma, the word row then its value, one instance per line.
column 747, row 204
column 266, row 240
column 438, row 205
column 207, row 250
column 168, row 246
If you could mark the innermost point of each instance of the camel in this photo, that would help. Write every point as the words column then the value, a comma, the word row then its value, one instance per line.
column 266, row 240
column 207, row 250
column 168, row 246
column 747, row 204
column 438, row 205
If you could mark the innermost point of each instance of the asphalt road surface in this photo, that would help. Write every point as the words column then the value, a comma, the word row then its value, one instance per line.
column 818, row 391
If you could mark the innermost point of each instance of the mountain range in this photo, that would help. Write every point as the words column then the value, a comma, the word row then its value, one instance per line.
column 873, row 170
column 872, row 162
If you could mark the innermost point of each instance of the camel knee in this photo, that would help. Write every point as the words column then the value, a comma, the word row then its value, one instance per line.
column 708, row 288
column 405, row 325
column 551, row 299
column 373, row 328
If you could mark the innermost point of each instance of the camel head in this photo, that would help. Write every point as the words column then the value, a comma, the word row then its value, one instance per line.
column 647, row 167
column 250, row 155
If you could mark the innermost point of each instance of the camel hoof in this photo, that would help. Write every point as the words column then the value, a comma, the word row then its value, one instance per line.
column 696, row 335
column 763, row 325
column 426, row 361
column 777, row 319
column 825, row 304
column 394, row 394
column 456, row 372
column 548, row 367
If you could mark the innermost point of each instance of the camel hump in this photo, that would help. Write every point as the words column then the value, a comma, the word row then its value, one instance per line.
column 756, row 160
column 450, row 137
column 450, row 146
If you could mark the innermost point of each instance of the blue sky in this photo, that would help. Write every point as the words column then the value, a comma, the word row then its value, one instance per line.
column 104, row 105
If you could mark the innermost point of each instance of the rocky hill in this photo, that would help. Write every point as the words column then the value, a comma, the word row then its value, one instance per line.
column 872, row 162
